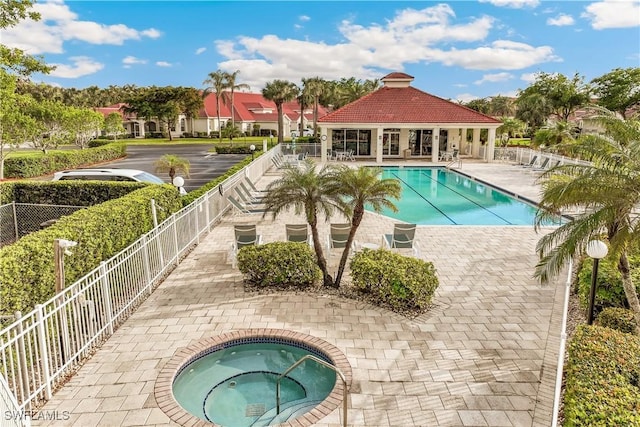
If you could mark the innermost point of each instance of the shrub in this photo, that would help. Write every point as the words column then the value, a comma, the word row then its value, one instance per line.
column 602, row 378
column 26, row 267
column 279, row 264
column 609, row 292
column 37, row 164
column 394, row 281
column 66, row 192
column 620, row 319
column 100, row 142
column 234, row 149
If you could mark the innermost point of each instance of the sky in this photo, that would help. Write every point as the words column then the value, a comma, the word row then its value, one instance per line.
column 459, row 50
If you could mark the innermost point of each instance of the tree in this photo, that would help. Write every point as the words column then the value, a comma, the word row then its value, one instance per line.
column 534, row 110
column 618, row 90
column 173, row 165
column 563, row 95
column 304, row 99
column 113, row 125
column 358, row 188
column 501, row 106
column 509, row 128
column 84, row 125
column 280, row 91
column 315, row 87
column 216, row 83
column 53, row 121
column 554, row 135
column 309, row 192
column 607, row 190
column 481, row 105
column 233, row 86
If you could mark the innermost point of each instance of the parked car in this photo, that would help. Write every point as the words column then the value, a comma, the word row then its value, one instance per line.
column 305, row 132
column 108, row 175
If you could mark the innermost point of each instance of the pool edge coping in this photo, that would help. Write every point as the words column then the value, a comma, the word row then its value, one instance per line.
column 164, row 383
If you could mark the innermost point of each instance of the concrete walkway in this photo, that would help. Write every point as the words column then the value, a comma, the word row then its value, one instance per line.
column 485, row 355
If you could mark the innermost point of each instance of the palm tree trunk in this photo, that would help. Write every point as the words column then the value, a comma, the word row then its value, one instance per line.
column 280, row 122
column 322, row 262
column 629, row 288
column 358, row 213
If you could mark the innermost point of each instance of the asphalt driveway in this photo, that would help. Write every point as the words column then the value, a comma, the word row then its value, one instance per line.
column 204, row 166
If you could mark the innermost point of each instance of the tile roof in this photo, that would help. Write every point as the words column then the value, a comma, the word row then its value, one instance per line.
column 405, row 105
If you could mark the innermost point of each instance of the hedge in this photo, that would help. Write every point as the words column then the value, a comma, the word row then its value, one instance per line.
column 620, row 319
column 27, row 268
column 69, row 193
column 279, row 264
column 37, row 164
column 394, row 281
column 602, row 379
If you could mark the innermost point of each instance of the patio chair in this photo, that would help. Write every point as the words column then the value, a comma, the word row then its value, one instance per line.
column 403, row 237
column 542, row 166
column 532, row 162
column 338, row 236
column 253, row 197
column 298, row 233
column 243, row 208
column 245, row 235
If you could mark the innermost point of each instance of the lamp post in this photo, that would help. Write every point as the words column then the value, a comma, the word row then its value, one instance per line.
column 178, row 182
column 252, row 148
column 596, row 249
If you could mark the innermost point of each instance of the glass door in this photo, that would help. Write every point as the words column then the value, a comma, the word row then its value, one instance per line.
column 391, row 142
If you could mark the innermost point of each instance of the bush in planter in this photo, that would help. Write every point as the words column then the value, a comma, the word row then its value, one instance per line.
column 279, row 264
column 393, row 280
column 619, row 319
column 602, row 378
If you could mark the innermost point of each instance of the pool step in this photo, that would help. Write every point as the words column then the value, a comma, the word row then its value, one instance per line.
column 288, row 411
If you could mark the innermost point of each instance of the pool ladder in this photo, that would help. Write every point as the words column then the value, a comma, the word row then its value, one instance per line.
column 325, row 364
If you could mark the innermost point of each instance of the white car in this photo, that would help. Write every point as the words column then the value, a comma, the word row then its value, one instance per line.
column 305, row 132
column 122, row 175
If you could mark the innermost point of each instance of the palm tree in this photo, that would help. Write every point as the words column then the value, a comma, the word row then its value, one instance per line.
column 216, row 83
column 554, row 135
column 173, row 164
column 232, row 85
column 607, row 189
column 304, row 99
column 280, row 91
column 308, row 192
column 358, row 188
column 315, row 87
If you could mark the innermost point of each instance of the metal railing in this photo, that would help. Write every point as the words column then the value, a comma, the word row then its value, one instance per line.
column 40, row 349
column 325, row 364
column 525, row 156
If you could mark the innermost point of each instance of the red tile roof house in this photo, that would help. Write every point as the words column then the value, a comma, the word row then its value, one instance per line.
column 398, row 119
column 249, row 109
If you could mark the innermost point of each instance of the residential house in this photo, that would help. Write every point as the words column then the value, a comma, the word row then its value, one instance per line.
column 399, row 121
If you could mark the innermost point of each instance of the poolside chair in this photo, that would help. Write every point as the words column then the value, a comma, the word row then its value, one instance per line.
column 298, row 233
column 253, row 186
column 532, row 162
column 338, row 236
column 245, row 235
column 403, row 237
column 243, row 208
column 542, row 166
column 253, row 198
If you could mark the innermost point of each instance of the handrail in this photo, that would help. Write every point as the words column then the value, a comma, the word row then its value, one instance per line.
column 323, row 363
column 454, row 161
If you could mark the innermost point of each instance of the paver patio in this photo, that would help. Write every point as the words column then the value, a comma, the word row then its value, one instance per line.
column 485, row 355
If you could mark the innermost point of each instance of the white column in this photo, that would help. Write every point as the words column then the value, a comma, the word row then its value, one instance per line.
column 475, row 145
column 379, row 146
column 463, row 141
column 435, row 145
column 491, row 145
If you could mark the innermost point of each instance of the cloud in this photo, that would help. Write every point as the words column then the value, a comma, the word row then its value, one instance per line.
column 128, row 61
column 164, row 64
column 58, row 24
column 200, row 50
column 494, row 78
column 613, row 14
column 514, row 4
column 528, row 77
column 82, row 66
column 460, row 85
column 466, row 97
column 561, row 20
column 304, row 18
column 429, row 35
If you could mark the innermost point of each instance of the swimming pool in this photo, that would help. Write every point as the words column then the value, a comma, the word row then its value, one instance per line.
column 439, row 196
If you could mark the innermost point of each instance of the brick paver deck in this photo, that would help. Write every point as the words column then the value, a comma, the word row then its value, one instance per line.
column 485, row 355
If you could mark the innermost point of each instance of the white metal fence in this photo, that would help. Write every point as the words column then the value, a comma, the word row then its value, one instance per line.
column 40, row 349
column 535, row 158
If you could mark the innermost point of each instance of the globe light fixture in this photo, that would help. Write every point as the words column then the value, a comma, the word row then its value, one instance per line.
column 596, row 249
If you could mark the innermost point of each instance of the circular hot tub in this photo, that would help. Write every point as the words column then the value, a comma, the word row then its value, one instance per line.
column 231, row 380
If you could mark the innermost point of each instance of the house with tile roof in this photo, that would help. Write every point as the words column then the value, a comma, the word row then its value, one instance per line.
column 400, row 121
column 251, row 112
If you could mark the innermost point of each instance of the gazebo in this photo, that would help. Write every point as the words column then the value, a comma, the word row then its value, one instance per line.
column 400, row 121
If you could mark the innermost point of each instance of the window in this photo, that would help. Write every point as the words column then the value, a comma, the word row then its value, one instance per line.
column 183, row 125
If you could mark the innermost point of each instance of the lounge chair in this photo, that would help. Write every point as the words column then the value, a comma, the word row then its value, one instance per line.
column 531, row 163
column 298, row 233
column 338, row 236
column 253, row 186
column 245, row 235
column 542, row 166
column 403, row 237
column 243, row 208
column 244, row 191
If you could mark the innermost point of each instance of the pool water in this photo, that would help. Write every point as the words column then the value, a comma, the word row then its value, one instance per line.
column 236, row 386
column 438, row 196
